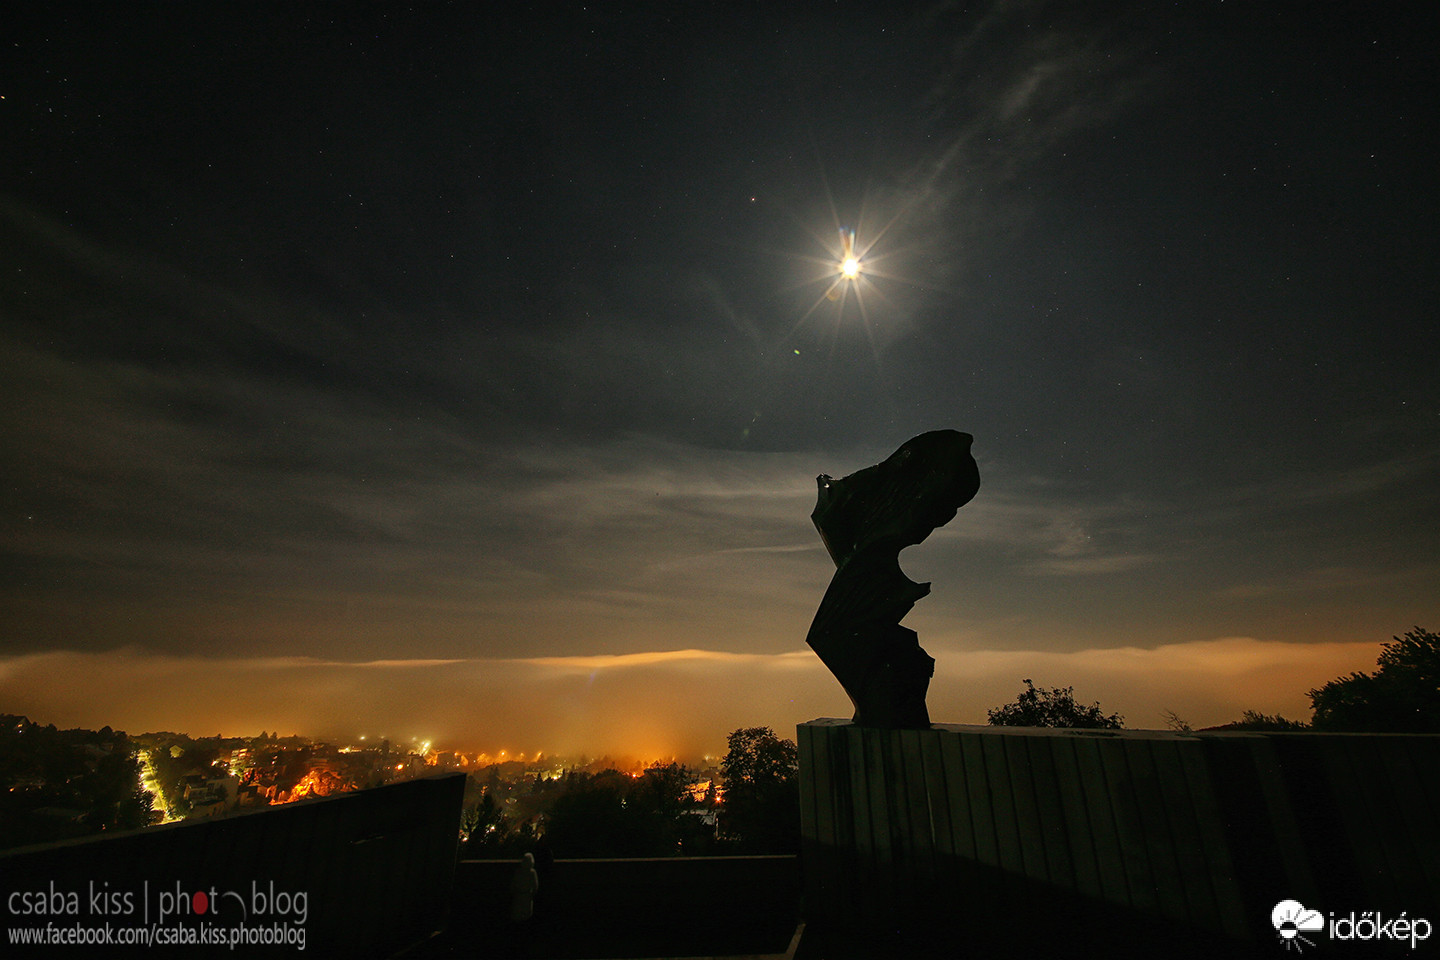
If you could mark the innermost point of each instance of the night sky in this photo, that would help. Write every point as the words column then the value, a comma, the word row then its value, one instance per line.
column 464, row 374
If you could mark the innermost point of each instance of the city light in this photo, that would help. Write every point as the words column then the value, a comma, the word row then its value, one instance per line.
column 216, row 776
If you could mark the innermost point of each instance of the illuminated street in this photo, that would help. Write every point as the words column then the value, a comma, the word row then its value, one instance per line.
column 149, row 783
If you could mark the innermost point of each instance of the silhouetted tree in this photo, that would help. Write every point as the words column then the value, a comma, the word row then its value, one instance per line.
column 1177, row 723
column 662, row 790
column 483, row 825
column 116, row 799
column 56, row 784
column 1252, row 720
column 655, row 802
column 761, row 809
column 590, row 818
column 1403, row 696
column 1039, row 707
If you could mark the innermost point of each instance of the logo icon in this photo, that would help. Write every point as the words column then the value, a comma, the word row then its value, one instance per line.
column 1289, row 918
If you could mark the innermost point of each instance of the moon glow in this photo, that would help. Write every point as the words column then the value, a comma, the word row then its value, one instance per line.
column 849, row 260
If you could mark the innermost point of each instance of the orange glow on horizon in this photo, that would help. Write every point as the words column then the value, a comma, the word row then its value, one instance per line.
column 651, row 708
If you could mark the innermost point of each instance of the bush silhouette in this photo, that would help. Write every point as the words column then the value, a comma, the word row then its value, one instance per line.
column 1402, row 696
column 1039, row 707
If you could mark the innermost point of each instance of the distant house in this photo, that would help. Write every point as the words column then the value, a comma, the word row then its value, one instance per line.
column 208, row 794
column 251, row 795
column 709, row 818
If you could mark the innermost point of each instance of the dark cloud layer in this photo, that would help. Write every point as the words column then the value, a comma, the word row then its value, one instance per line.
column 411, row 335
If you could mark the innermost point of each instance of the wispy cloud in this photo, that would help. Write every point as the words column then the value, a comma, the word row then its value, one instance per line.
column 284, row 517
column 1329, row 580
column 651, row 658
column 1090, row 566
column 1019, row 79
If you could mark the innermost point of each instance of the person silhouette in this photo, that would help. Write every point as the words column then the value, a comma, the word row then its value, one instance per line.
column 544, row 867
column 523, row 885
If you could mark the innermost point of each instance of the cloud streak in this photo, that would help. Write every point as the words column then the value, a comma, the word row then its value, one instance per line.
column 359, row 531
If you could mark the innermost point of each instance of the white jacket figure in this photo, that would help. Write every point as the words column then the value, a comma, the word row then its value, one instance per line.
column 523, row 885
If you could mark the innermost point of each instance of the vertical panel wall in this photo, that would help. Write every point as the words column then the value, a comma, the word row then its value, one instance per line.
column 376, row 868
column 1201, row 833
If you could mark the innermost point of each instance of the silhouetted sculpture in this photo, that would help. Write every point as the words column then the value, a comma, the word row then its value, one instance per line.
column 866, row 519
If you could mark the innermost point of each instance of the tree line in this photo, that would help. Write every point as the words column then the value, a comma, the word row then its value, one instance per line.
column 1402, row 695
column 755, row 809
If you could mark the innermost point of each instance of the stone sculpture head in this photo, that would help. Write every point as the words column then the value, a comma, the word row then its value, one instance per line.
column 901, row 500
